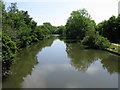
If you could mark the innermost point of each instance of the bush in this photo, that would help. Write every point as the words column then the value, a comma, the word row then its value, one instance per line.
column 89, row 41
column 96, row 41
column 102, row 42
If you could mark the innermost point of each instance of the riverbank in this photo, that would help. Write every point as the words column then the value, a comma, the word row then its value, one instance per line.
column 6, row 66
column 114, row 48
column 112, row 51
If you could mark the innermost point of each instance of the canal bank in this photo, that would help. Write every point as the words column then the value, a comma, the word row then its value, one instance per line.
column 114, row 48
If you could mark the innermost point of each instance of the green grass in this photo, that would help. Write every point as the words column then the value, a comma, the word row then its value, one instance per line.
column 114, row 48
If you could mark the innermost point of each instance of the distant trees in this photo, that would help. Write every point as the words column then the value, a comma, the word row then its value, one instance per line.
column 110, row 29
column 61, row 30
column 51, row 28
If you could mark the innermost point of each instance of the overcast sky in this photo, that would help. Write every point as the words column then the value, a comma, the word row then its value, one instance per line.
column 57, row 11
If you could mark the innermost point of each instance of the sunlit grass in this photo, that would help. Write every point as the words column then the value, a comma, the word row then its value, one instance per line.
column 114, row 48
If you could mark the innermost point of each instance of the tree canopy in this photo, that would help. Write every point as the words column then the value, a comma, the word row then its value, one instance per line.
column 110, row 29
column 78, row 23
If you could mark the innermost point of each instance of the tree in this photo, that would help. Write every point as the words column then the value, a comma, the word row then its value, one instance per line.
column 78, row 23
column 13, row 8
column 110, row 29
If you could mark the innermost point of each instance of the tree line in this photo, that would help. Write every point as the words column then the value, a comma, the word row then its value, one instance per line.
column 80, row 26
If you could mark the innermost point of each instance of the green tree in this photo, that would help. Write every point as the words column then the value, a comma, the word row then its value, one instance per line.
column 13, row 8
column 78, row 23
column 61, row 30
column 51, row 28
column 110, row 29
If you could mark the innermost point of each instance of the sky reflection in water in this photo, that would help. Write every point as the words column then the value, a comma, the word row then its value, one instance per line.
column 63, row 65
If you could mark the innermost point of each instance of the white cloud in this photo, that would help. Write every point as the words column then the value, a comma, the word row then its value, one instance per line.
column 92, row 70
column 39, row 75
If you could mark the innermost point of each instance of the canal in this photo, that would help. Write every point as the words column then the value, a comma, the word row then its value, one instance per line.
column 53, row 63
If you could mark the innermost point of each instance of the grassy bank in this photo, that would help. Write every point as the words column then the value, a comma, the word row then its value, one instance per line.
column 114, row 49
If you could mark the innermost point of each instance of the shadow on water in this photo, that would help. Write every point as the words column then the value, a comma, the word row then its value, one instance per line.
column 25, row 62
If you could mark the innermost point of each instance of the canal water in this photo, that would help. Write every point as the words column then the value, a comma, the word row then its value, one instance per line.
column 53, row 63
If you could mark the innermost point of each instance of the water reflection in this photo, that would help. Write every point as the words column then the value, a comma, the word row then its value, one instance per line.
column 70, row 66
column 81, row 59
column 58, row 64
column 25, row 62
column 111, row 64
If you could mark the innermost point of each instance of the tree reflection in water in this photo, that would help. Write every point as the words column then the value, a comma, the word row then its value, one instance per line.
column 25, row 62
column 81, row 59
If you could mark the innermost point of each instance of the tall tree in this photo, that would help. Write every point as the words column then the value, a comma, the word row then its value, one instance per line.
column 78, row 23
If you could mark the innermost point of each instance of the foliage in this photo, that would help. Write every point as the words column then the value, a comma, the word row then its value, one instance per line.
column 19, row 31
column 80, row 26
column 51, row 28
column 110, row 29
column 8, row 48
column 61, row 30
column 96, row 41
column 78, row 23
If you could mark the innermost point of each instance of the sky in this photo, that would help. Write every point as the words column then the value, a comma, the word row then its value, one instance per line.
column 58, row 11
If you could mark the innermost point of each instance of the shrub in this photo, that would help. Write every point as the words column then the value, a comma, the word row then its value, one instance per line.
column 102, row 42
column 96, row 41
